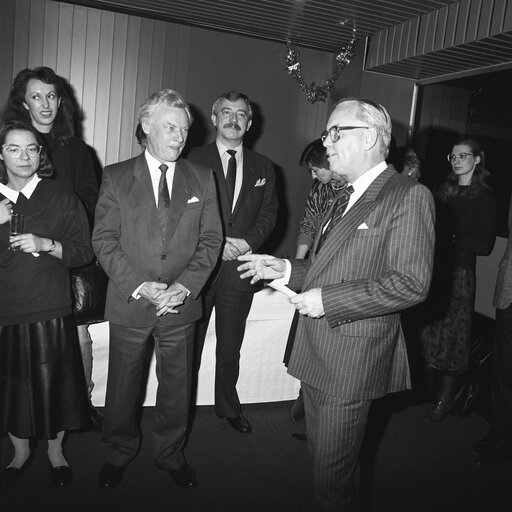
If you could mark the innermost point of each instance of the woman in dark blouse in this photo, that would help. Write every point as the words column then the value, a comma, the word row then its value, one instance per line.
column 40, row 97
column 42, row 385
column 465, row 228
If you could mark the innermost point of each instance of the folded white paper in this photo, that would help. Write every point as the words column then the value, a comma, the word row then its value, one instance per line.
column 280, row 287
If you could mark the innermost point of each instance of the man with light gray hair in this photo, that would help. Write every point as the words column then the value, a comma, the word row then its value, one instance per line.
column 158, row 236
column 372, row 257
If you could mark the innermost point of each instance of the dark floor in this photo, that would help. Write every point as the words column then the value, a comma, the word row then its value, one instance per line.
column 409, row 466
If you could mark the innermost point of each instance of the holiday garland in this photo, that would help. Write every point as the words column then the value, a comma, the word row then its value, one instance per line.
column 313, row 91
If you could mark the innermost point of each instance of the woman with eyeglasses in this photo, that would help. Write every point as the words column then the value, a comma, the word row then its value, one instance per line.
column 43, row 99
column 42, row 387
column 465, row 228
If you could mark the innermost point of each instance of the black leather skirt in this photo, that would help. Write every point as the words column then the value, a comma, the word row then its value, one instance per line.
column 42, row 382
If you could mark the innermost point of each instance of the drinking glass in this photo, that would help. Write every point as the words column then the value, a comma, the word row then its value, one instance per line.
column 16, row 227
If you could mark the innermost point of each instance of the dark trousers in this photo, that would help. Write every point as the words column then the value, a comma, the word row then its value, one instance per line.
column 335, row 429
column 231, row 310
column 129, row 353
column 501, row 418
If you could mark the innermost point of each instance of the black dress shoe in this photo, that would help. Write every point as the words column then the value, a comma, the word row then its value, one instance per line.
column 184, row 476
column 110, row 476
column 240, row 424
column 96, row 418
column 11, row 476
column 61, row 475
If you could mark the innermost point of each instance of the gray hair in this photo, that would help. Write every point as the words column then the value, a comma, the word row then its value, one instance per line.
column 232, row 96
column 375, row 116
column 170, row 97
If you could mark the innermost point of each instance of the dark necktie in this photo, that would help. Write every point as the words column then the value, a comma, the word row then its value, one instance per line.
column 337, row 210
column 164, row 200
column 231, row 176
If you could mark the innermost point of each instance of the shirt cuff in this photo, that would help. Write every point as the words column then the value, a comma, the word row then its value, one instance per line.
column 287, row 273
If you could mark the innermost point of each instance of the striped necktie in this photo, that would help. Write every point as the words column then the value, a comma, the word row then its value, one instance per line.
column 337, row 210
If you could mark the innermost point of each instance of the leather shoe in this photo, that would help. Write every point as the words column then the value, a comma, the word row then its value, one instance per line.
column 11, row 476
column 440, row 410
column 110, row 476
column 184, row 476
column 61, row 475
column 297, row 411
column 240, row 424
column 96, row 418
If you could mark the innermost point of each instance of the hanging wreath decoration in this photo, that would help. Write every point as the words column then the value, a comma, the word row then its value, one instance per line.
column 313, row 91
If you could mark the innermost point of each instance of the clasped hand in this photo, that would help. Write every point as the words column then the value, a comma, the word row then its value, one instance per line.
column 234, row 247
column 165, row 298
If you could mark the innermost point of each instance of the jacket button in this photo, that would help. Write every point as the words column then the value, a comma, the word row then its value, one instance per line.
column 164, row 256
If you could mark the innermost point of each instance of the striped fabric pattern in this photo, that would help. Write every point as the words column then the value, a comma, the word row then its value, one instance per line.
column 376, row 262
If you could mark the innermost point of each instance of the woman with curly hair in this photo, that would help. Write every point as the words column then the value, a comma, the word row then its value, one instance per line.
column 42, row 385
column 465, row 228
column 43, row 99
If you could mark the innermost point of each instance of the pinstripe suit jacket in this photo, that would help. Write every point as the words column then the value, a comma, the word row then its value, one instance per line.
column 503, row 291
column 131, row 248
column 367, row 276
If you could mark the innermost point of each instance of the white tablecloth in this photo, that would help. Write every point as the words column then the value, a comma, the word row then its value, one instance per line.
column 263, row 377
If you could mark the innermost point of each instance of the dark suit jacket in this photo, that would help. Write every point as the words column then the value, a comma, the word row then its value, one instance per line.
column 130, row 247
column 357, row 350
column 254, row 215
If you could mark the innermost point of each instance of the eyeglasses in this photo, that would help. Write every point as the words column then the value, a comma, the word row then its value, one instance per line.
column 15, row 151
column 334, row 132
column 461, row 156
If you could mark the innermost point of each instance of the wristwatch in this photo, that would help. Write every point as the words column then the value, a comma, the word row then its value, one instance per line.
column 52, row 246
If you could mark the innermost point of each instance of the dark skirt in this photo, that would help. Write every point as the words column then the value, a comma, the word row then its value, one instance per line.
column 42, row 383
column 447, row 341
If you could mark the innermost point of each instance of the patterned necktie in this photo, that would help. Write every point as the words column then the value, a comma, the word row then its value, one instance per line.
column 164, row 200
column 231, row 176
column 338, row 209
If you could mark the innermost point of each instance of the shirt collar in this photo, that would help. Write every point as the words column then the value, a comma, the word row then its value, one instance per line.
column 27, row 190
column 154, row 164
column 364, row 181
column 222, row 148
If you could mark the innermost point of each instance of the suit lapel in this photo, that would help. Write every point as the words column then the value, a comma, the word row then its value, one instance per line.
column 215, row 163
column 181, row 193
column 348, row 224
column 248, row 180
column 143, row 192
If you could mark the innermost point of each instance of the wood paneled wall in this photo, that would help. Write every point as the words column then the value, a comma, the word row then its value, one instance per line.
column 114, row 61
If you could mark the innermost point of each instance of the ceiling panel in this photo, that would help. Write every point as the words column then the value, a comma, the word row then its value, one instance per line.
column 321, row 24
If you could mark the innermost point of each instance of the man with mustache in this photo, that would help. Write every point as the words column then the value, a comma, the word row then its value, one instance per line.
column 158, row 236
column 248, row 204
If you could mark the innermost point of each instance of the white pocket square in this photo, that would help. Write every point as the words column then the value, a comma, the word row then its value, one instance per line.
column 362, row 226
column 193, row 200
column 260, row 182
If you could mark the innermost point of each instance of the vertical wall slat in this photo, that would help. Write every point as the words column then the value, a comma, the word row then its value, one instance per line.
column 103, row 76
column 51, row 34
column 21, row 26
column 115, row 104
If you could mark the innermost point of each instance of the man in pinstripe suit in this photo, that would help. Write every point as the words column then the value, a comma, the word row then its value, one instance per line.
column 369, row 262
